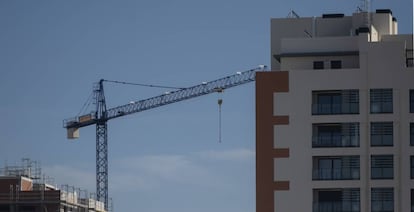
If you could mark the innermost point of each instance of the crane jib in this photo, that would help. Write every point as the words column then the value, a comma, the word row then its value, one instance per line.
column 170, row 97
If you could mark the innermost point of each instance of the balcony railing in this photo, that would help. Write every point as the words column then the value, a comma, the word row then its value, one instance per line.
column 336, row 206
column 333, row 109
column 335, row 141
column 336, row 174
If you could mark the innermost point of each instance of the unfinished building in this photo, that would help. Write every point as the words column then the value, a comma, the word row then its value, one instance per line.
column 24, row 189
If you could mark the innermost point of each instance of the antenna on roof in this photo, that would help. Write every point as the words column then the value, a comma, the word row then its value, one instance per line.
column 365, row 8
column 293, row 14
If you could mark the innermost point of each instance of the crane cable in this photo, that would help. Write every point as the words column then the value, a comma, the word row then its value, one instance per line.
column 86, row 104
column 219, row 102
column 141, row 84
column 89, row 99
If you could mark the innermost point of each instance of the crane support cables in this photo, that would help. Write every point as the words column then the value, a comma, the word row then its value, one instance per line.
column 167, row 98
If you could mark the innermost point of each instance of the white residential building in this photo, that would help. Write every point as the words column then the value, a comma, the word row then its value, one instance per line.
column 335, row 116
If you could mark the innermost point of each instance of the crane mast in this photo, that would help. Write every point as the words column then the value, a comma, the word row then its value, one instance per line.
column 101, row 145
column 102, row 115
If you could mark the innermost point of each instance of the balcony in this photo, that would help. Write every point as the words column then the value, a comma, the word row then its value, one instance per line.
column 336, row 200
column 335, row 102
column 336, row 168
column 335, row 135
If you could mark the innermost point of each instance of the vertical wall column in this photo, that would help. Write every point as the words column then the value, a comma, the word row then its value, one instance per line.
column 268, row 83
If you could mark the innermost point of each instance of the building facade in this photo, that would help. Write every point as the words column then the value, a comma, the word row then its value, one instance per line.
column 335, row 116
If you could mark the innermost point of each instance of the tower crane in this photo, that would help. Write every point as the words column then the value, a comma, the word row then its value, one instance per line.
column 102, row 115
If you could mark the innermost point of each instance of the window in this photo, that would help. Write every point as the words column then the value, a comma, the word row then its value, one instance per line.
column 335, row 102
column 336, row 64
column 381, row 134
column 335, row 135
column 318, row 65
column 381, row 100
column 382, row 200
column 382, row 167
column 336, row 168
column 412, row 166
column 412, row 200
column 336, row 200
column 409, row 57
column 412, row 134
column 411, row 101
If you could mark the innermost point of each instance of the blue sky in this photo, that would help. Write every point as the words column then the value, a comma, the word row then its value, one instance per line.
column 169, row 158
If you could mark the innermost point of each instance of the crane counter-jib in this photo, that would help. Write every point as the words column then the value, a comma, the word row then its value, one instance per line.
column 72, row 125
column 80, row 121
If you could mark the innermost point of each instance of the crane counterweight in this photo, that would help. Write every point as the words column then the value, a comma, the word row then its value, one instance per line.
column 72, row 133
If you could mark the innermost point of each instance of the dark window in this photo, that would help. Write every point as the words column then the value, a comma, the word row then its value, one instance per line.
column 410, row 62
column 318, row 65
column 336, row 200
column 336, row 64
column 5, row 208
column 382, row 167
column 335, row 102
column 382, row 200
column 412, row 134
column 411, row 101
column 412, row 200
column 412, row 166
column 27, row 208
column 409, row 57
column 335, row 135
column 381, row 134
column 336, row 168
column 381, row 100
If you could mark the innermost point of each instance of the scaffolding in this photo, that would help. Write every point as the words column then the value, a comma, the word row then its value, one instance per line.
column 24, row 188
column 27, row 168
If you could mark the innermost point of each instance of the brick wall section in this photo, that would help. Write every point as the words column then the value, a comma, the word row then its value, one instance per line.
column 267, row 83
column 26, row 185
column 23, row 184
